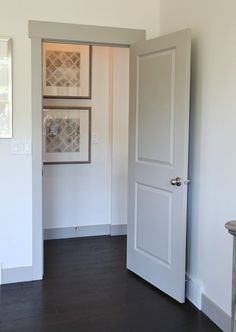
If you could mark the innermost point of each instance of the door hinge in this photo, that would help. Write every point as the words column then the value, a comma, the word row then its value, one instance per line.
column 187, row 279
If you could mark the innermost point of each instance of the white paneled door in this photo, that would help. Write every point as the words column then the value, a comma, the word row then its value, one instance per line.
column 158, row 161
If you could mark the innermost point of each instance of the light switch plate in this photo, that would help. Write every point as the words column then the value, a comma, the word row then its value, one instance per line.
column 21, row 147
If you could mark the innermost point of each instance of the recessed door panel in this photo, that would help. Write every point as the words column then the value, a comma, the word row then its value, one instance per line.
column 153, row 223
column 155, row 76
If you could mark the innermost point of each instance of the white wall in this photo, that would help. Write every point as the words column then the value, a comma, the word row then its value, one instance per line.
column 213, row 137
column 96, row 193
column 78, row 195
column 213, row 160
column 15, row 171
column 120, row 119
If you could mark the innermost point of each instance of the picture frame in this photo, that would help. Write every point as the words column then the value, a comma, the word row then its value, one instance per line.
column 67, row 70
column 5, row 87
column 66, row 135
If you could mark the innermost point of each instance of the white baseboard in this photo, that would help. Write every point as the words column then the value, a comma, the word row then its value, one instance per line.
column 83, row 231
column 216, row 314
column 17, row 274
column 194, row 293
column 71, row 232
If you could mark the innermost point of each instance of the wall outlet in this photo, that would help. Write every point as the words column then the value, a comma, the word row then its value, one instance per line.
column 95, row 139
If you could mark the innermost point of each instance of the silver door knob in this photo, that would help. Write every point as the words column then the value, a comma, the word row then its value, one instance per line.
column 176, row 182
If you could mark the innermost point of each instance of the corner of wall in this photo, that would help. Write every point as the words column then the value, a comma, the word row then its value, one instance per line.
column 194, row 290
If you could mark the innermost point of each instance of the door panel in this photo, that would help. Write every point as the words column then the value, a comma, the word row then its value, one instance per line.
column 158, row 153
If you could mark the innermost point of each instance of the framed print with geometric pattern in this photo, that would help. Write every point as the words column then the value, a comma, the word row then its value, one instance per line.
column 66, row 135
column 66, row 70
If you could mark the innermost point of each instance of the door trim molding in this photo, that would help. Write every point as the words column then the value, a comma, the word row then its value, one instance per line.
column 85, row 33
column 39, row 31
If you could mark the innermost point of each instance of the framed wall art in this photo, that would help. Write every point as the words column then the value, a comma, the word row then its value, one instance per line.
column 67, row 70
column 66, row 135
column 5, row 87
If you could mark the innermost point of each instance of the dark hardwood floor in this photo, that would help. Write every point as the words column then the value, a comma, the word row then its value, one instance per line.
column 87, row 288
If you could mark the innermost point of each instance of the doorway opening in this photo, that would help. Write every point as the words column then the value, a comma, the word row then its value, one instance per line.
column 85, row 139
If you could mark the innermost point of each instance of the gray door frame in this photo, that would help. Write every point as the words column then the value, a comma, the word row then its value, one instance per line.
column 38, row 32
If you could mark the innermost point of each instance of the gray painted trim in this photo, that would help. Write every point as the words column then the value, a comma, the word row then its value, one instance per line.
column 67, row 32
column 83, row 231
column 85, row 33
column 17, row 274
column 71, row 232
column 119, row 229
column 216, row 314
column 37, row 228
